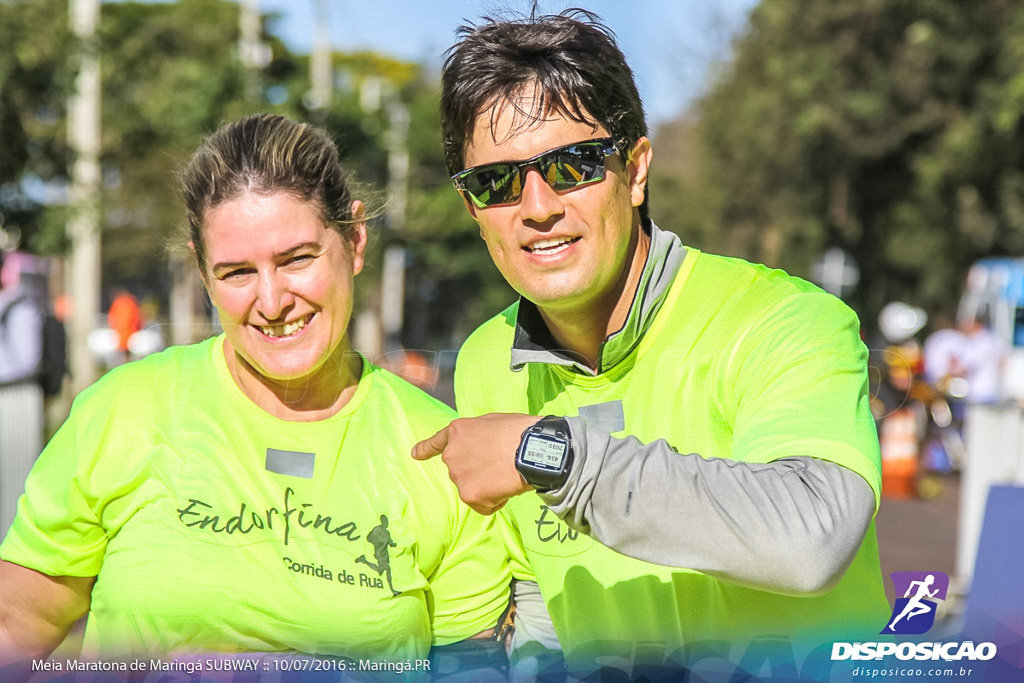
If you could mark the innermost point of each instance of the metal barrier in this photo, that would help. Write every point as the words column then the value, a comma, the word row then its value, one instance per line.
column 994, row 437
column 21, row 441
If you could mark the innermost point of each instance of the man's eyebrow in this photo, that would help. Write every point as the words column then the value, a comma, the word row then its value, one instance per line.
column 228, row 265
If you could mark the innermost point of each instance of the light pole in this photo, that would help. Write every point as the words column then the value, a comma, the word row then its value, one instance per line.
column 392, row 299
column 84, row 134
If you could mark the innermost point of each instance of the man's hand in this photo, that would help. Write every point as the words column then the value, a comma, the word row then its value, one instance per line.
column 480, row 453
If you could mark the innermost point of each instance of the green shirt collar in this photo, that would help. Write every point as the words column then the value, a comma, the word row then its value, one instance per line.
column 533, row 342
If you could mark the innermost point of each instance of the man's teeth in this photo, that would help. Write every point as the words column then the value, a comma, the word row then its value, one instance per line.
column 283, row 330
column 550, row 245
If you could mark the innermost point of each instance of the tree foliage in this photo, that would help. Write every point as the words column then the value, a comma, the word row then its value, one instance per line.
column 33, row 86
column 890, row 128
column 453, row 285
column 171, row 74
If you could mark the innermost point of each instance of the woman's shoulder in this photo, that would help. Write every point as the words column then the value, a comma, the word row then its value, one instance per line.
column 157, row 374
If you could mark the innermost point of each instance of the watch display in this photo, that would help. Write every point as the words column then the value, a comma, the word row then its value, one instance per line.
column 545, row 454
column 544, row 451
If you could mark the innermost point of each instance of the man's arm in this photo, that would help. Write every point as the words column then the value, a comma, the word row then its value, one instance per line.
column 790, row 526
column 37, row 611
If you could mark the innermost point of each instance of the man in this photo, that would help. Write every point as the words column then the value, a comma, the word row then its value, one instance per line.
column 709, row 473
column 21, row 357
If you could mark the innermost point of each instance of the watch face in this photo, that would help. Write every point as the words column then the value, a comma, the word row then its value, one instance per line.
column 544, row 452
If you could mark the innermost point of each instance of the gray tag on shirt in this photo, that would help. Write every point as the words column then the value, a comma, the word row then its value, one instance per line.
column 607, row 416
column 292, row 463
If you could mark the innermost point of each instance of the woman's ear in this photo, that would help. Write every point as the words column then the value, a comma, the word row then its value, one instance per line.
column 358, row 237
column 199, row 266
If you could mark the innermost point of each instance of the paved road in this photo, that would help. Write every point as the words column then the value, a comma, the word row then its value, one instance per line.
column 919, row 535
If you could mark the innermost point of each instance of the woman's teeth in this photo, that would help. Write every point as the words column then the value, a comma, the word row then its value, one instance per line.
column 285, row 330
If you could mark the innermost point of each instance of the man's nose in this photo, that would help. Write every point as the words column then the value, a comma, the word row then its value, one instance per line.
column 539, row 201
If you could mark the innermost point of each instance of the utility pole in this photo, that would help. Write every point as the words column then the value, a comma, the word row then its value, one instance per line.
column 250, row 48
column 84, row 131
column 320, row 76
column 392, row 304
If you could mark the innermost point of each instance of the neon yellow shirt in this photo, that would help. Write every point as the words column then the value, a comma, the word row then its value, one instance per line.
column 166, row 483
column 740, row 362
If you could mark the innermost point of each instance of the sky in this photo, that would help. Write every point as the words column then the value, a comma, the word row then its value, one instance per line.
column 671, row 45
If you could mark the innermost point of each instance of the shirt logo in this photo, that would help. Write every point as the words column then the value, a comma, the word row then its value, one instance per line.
column 914, row 613
column 380, row 538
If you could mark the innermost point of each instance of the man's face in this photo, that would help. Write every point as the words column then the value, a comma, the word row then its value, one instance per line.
column 565, row 251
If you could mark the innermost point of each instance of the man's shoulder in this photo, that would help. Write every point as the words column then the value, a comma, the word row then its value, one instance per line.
column 736, row 283
column 729, row 294
column 758, row 277
column 484, row 380
column 496, row 333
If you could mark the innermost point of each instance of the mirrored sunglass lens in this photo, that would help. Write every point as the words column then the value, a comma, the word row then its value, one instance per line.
column 567, row 169
column 562, row 169
column 493, row 184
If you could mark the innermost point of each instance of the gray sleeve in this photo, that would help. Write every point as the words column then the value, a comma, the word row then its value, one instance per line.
column 535, row 648
column 790, row 526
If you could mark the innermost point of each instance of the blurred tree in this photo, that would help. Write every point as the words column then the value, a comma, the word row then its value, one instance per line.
column 34, row 82
column 890, row 128
column 452, row 285
column 171, row 74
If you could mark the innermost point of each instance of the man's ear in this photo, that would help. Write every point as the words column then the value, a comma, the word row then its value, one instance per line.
column 638, row 167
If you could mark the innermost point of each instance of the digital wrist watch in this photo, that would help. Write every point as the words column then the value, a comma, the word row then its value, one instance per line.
column 545, row 453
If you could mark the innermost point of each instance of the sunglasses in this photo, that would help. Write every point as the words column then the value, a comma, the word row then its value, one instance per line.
column 563, row 168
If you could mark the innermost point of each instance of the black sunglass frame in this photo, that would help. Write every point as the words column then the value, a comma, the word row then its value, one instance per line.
column 607, row 146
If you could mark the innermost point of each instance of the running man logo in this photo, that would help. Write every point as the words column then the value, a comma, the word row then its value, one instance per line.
column 914, row 613
column 380, row 538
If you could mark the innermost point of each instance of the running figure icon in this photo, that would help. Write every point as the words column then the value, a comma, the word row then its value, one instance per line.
column 381, row 540
column 916, row 605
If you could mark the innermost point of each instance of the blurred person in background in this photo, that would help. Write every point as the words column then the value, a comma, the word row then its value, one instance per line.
column 707, row 470
column 22, row 306
column 125, row 318
column 223, row 497
column 984, row 360
column 943, row 354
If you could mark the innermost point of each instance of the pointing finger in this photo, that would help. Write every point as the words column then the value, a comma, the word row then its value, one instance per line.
column 432, row 446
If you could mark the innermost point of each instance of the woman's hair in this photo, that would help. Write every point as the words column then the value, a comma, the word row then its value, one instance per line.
column 265, row 154
column 570, row 60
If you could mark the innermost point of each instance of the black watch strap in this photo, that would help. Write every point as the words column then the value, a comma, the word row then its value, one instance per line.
column 545, row 455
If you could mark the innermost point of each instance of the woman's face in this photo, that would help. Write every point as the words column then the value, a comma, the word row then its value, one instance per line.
column 281, row 281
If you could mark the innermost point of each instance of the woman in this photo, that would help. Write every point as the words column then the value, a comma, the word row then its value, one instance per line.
column 225, row 496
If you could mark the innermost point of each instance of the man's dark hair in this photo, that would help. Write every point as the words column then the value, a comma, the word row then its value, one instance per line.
column 570, row 58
